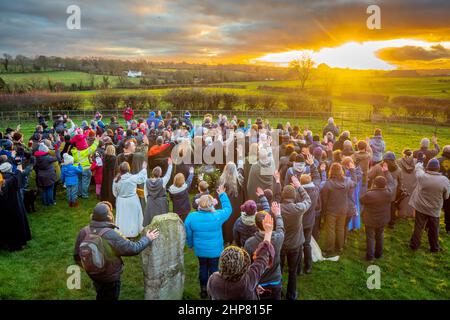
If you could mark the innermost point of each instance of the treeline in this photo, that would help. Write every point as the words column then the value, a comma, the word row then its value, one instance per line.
column 176, row 99
column 155, row 72
column 416, row 107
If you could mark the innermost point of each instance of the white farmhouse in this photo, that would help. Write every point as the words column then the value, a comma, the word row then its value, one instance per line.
column 134, row 74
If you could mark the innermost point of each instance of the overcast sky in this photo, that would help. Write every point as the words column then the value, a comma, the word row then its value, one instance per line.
column 220, row 30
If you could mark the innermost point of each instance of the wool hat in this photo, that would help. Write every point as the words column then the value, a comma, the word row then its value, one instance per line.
column 288, row 192
column 43, row 147
column 268, row 194
column 233, row 263
column 187, row 114
column 249, row 207
column 389, row 156
column 102, row 212
column 68, row 159
column 380, row 182
column 151, row 114
column 433, row 165
column 317, row 152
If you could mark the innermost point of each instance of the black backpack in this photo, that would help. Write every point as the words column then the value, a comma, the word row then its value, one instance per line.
column 93, row 251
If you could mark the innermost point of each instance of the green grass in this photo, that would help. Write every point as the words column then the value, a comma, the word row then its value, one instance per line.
column 65, row 77
column 39, row 271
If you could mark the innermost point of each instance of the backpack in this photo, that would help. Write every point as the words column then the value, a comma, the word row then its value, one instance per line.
column 92, row 252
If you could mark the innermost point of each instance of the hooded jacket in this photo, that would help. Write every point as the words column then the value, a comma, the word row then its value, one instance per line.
column 444, row 162
column 204, row 229
column 180, row 196
column 335, row 195
column 377, row 204
column 292, row 212
column 378, row 147
column 257, row 179
column 272, row 275
column 45, row 171
column 69, row 174
column 82, row 156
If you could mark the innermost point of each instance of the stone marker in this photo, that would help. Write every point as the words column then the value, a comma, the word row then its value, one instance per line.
column 163, row 261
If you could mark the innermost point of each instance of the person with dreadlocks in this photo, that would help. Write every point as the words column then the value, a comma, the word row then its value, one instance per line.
column 238, row 277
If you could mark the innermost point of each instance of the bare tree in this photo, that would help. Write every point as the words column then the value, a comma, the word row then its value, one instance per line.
column 302, row 67
column 21, row 61
column 6, row 59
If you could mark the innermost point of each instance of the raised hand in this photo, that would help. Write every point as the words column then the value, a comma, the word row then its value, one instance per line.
column 295, row 182
column 268, row 224
column 309, row 159
column 323, row 166
column 221, row 189
column 169, row 161
column 384, row 167
column 275, row 208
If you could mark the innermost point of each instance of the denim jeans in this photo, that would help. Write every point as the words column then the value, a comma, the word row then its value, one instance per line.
column 47, row 196
column 292, row 262
column 72, row 193
column 84, row 180
column 207, row 267
column 107, row 290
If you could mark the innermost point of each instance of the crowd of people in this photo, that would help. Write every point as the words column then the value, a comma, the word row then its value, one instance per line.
column 262, row 193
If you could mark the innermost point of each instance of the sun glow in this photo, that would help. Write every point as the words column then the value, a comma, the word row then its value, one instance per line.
column 353, row 55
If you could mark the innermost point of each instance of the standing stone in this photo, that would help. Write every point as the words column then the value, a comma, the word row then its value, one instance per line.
column 163, row 260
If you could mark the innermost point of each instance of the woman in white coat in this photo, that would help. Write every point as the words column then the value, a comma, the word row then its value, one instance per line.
column 129, row 215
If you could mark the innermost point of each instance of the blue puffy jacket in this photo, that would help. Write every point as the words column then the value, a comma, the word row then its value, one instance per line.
column 204, row 229
column 69, row 174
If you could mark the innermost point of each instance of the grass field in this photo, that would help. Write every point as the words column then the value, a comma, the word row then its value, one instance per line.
column 39, row 271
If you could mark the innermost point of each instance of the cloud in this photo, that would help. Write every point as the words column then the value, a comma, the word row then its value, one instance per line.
column 210, row 30
column 414, row 53
column 415, row 57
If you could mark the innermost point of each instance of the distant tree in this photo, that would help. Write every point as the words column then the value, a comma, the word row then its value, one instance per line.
column 6, row 60
column 302, row 67
column 21, row 61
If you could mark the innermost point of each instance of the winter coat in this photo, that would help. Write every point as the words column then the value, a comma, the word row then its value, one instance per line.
column 292, row 212
column 378, row 147
column 428, row 153
column 156, row 197
column 431, row 191
column 97, row 172
column 377, row 204
column 259, row 176
column 245, row 288
column 45, row 171
column 204, row 229
column 69, row 174
column 335, row 195
column 272, row 275
column 409, row 181
column 242, row 232
column 376, row 171
column 362, row 159
column 120, row 246
column 309, row 217
column 330, row 128
column 180, row 197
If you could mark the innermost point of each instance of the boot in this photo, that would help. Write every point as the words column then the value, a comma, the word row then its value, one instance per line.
column 203, row 292
column 299, row 262
column 70, row 204
column 75, row 204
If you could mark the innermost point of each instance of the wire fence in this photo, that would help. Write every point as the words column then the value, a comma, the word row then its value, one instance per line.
column 355, row 121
